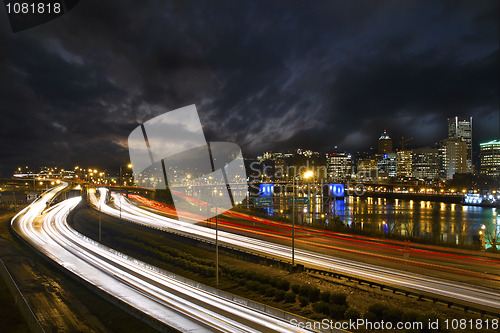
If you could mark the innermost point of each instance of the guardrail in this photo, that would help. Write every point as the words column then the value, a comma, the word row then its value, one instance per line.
column 401, row 290
column 31, row 319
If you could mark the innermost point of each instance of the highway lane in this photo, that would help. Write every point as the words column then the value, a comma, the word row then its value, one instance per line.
column 478, row 268
column 464, row 293
column 169, row 300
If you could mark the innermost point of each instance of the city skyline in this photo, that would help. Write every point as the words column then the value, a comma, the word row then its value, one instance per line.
column 250, row 166
column 313, row 76
column 371, row 151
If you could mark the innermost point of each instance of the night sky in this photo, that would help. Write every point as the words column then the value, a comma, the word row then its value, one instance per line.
column 267, row 75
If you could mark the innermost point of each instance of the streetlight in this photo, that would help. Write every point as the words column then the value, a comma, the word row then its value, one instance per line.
column 308, row 174
column 293, row 218
column 482, row 236
column 215, row 202
column 217, row 242
column 128, row 166
column 120, row 203
column 100, row 194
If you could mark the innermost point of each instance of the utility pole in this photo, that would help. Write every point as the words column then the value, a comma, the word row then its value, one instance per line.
column 293, row 218
column 100, row 217
column 216, row 244
column 120, row 204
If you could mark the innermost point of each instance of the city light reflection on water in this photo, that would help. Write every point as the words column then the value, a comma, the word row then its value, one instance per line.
column 436, row 221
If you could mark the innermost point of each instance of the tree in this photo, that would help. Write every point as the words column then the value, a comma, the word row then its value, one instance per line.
column 491, row 235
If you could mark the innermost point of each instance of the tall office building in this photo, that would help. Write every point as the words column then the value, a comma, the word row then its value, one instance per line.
column 454, row 156
column 461, row 127
column 490, row 158
column 367, row 169
column 387, row 165
column 403, row 160
column 384, row 144
column 339, row 166
column 426, row 163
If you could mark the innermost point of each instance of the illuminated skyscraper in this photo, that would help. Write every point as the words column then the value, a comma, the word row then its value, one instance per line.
column 339, row 166
column 490, row 158
column 367, row 169
column 403, row 160
column 461, row 127
column 387, row 165
column 454, row 154
column 384, row 144
column 426, row 163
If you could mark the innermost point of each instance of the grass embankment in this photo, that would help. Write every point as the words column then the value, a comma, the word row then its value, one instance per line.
column 301, row 293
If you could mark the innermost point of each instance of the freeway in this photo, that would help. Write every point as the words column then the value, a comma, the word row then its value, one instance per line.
column 472, row 267
column 162, row 296
column 488, row 299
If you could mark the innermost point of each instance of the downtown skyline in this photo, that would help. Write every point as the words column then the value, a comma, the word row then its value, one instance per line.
column 267, row 76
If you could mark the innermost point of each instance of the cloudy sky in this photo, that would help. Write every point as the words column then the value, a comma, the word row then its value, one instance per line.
column 267, row 75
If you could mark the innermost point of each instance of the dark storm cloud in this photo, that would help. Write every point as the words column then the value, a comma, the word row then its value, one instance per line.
column 266, row 75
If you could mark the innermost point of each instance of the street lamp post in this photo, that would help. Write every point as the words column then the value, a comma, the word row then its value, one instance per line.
column 121, row 178
column 482, row 236
column 100, row 217
column 215, row 202
column 216, row 244
column 120, row 204
column 307, row 175
column 293, row 219
column 121, row 184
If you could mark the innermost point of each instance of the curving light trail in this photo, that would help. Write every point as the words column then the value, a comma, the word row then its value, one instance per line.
column 449, row 290
column 166, row 298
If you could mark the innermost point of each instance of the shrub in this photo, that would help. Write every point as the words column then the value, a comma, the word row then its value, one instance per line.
column 274, row 282
column 412, row 317
column 321, row 307
column 208, row 271
column 295, row 288
column 370, row 316
column 338, row 298
column 393, row 315
column 241, row 282
column 279, row 295
column 265, row 279
column 325, row 296
column 290, row 297
column 238, row 274
column 314, row 294
column 337, row 311
column 252, row 285
column 378, row 310
column 304, row 290
column 303, row 301
column 229, row 271
column 352, row 314
column 251, row 275
column 283, row 285
column 270, row 291
column 261, row 288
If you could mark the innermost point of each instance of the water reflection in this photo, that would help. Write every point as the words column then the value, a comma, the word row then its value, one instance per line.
column 436, row 221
